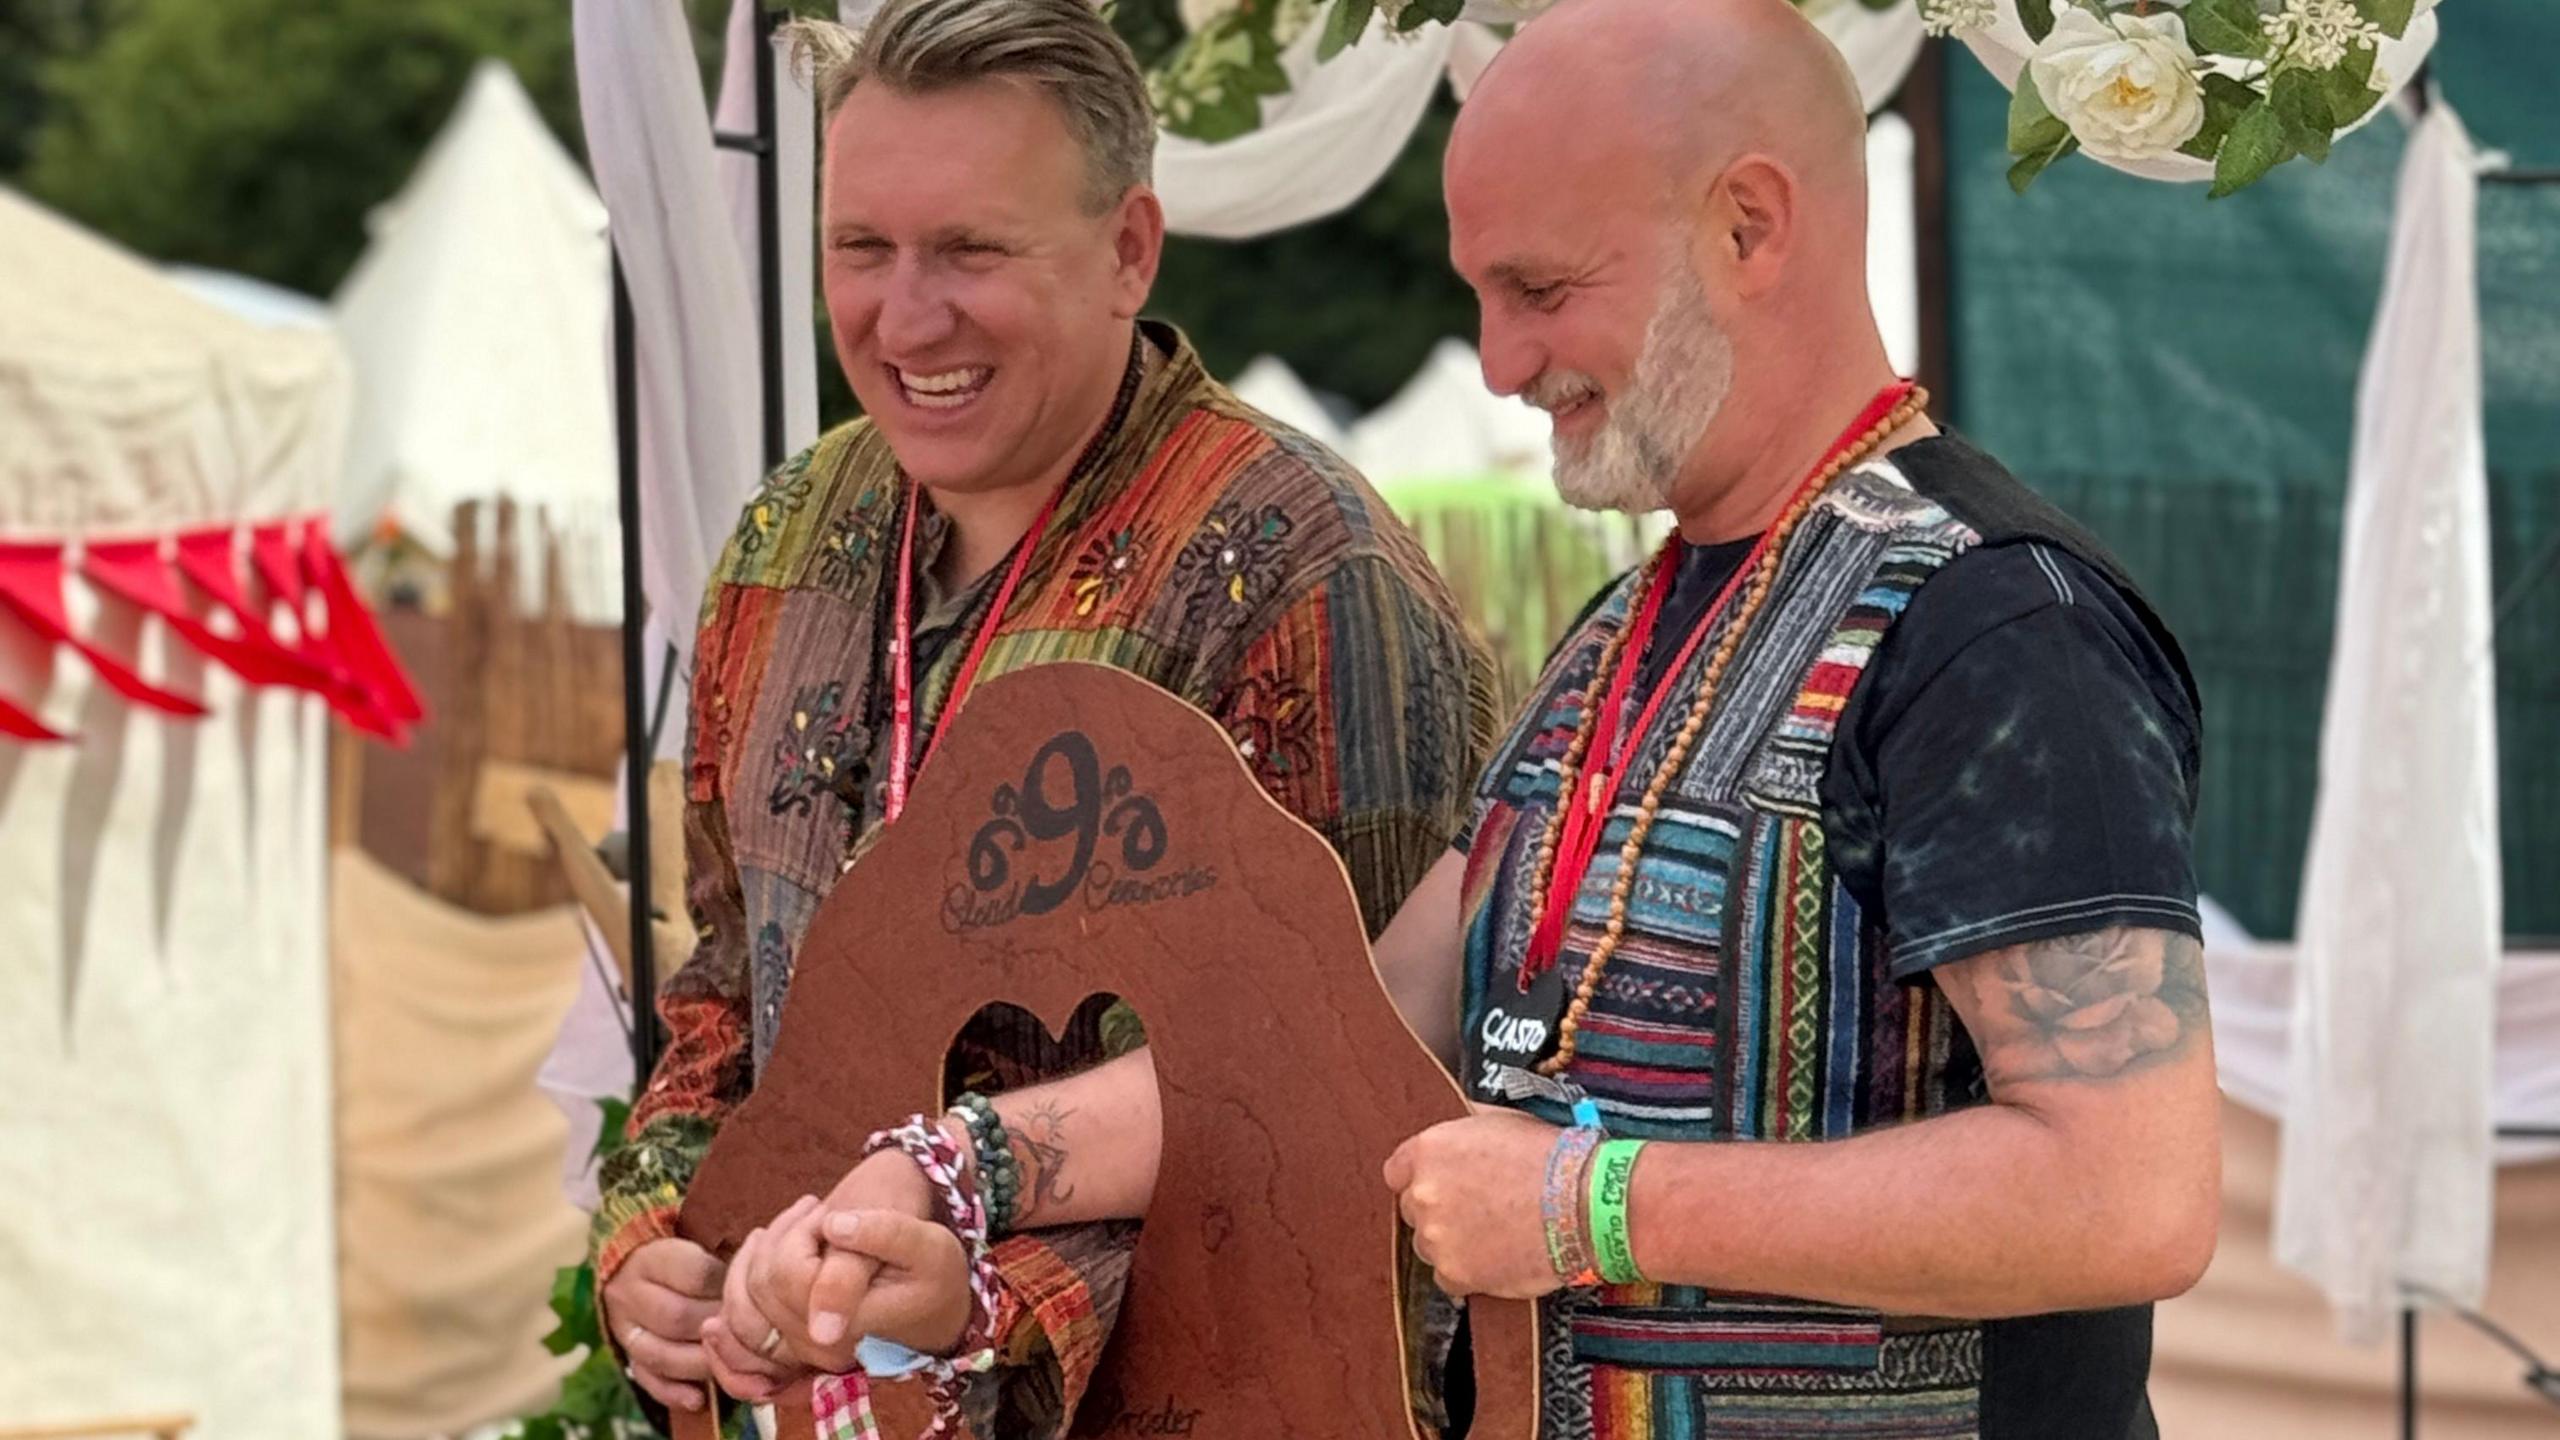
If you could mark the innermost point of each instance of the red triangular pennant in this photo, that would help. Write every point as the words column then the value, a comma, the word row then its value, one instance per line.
column 17, row 724
column 31, row 577
column 362, row 652
column 205, row 557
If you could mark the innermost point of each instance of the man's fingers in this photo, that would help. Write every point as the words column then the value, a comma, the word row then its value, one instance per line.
column 893, row 1239
column 786, row 1266
column 737, row 1368
column 1399, row 1171
column 672, row 1359
column 675, row 1395
column 683, row 1267
column 662, row 1311
column 844, row 1277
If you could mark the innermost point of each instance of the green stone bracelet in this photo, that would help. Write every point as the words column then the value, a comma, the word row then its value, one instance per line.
column 999, row 1177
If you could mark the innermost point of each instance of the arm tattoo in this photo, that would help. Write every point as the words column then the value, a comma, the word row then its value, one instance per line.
column 2090, row 1006
column 1039, row 1147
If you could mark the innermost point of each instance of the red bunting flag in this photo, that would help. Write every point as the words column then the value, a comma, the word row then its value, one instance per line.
column 343, row 657
column 31, row 575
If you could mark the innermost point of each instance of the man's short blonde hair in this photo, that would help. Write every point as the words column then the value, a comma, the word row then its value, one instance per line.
column 1063, row 47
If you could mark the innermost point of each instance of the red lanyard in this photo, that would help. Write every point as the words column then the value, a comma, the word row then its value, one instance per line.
column 902, row 720
column 1608, row 754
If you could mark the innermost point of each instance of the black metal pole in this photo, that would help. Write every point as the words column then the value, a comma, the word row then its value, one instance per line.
column 2409, row 1373
column 769, row 235
column 635, row 684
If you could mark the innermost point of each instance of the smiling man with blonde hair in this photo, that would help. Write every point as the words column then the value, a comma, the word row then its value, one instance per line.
column 1041, row 475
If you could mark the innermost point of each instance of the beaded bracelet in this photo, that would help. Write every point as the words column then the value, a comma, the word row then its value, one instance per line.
column 841, row 1404
column 1613, row 1168
column 999, row 1174
column 1560, row 1204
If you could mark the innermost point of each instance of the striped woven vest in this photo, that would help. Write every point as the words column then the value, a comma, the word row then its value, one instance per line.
column 1748, row 999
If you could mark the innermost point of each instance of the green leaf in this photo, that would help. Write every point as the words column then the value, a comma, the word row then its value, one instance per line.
column 2037, row 16
column 1444, row 11
column 2033, row 128
column 2225, row 101
column 2255, row 146
column 2226, row 27
column 609, row 1133
column 2349, row 88
column 2024, row 173
column 2303, row 105
column 1343, row 26
column 2391, row 15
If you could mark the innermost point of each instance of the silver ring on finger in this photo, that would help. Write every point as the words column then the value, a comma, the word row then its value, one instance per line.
column 631, row 1335
column 772, row 1343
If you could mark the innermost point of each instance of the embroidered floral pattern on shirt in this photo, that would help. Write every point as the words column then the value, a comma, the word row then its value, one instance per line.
column 823, row 739
column 1106, row 564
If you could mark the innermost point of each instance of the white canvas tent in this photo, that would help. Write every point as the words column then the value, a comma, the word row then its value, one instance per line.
column 167, row 1244
column 1444, row 422
column 479, row 325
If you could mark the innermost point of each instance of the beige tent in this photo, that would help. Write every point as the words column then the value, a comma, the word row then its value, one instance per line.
column 167, row 1241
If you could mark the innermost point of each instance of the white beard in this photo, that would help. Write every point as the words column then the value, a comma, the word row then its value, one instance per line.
column 1682, row 376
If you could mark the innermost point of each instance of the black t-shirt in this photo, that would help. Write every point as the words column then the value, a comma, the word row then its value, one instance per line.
column 2019, row 761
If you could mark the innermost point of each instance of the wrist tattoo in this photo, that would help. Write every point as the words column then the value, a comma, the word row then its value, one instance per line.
column 1039, row 1144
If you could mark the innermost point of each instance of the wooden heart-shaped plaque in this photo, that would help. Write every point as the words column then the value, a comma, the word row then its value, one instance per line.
column 1082, row 832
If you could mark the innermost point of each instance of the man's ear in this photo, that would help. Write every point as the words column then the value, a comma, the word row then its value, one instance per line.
column 1137, row 249
column 1748, row 226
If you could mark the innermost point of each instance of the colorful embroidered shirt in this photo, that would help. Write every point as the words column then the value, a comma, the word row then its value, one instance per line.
column 1206, row 549
column 1762, row 991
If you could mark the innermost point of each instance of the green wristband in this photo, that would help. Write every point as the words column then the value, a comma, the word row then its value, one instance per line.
column 1613, row 1170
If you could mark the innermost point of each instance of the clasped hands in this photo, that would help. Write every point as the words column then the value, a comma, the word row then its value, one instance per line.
column 872, row 1258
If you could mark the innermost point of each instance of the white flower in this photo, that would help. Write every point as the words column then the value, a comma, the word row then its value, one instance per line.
column 2320, row 32
column 1958, row 17
column 1199, row 15
column 2127, row 87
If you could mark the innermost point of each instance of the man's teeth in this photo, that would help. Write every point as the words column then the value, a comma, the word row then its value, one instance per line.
column 946, row 390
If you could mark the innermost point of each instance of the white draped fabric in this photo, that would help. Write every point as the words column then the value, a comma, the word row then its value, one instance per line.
column 1321, row 145
column 692, row 302
column 2385, row 1178
column 795, row 118
column 1344, row 121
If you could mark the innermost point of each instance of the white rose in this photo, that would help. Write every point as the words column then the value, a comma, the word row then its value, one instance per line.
column 2126, row 87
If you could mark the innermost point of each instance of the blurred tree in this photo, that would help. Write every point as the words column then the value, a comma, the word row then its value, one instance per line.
column 33, row 33
column 254, row 135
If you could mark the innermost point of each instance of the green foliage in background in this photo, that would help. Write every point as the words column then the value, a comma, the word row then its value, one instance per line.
column 255, row 135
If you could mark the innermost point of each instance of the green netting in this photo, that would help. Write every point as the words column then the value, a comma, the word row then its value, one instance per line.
column 2182, row 376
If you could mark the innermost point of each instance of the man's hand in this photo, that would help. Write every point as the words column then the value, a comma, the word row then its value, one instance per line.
column 918, row 1294
column 657, row 1303
column 1470, row 1190
column 835, row 1292
column 749, row 1341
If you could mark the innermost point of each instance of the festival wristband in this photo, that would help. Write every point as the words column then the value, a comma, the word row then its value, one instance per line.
column 1613, row 1169
column 1560, row 1205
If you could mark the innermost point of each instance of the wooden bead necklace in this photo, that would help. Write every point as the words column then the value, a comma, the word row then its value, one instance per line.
column 1843, row 458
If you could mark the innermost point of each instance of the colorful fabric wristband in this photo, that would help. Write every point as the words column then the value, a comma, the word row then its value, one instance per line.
column 1560, row 1205
column 1613, row 1169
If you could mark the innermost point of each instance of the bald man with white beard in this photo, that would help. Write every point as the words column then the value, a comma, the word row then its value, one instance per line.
column 1822, row 949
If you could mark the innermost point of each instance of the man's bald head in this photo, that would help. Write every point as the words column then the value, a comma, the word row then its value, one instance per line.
column 1680, row 183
